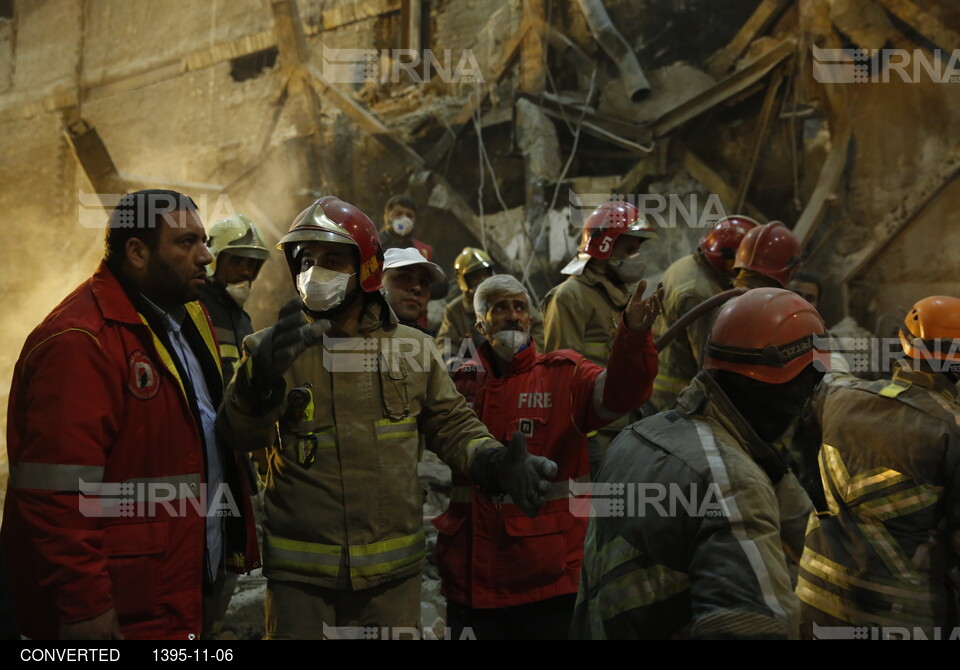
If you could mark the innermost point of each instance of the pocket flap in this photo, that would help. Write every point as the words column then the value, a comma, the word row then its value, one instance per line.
column 542, row 524
column 448, row 524
column 135, row 539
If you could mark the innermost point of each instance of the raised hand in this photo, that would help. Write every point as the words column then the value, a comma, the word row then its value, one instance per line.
column 640, row 314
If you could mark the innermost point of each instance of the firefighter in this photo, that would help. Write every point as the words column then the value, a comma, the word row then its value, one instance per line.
column 688, row 282
column 708, row 511
column 337, row 391
column 768, row 255
column 505, row 575
column 879, row 554
column 238, row 252
column 582, row 312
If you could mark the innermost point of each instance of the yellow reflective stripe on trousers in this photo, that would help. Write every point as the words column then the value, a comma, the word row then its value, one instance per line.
column 309, row 558
column 388, row 429
column 53, row 476
column 365, row 560
column 383, row 557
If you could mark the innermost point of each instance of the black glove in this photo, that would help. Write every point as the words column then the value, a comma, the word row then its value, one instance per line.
column 280, row 346
column 525, row 478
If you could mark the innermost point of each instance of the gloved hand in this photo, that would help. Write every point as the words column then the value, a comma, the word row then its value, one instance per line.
column 261, row 377
column 525, row 478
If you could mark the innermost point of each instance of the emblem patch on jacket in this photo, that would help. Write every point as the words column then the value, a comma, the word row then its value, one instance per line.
column 143, row 382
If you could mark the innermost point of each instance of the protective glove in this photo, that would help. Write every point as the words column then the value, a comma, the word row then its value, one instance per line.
column 260, row 379
column 525, row 478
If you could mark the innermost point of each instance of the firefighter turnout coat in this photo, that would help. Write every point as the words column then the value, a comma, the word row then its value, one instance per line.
column 687, row 282
column 343, row 503
column 688, row 539
column 890, row 464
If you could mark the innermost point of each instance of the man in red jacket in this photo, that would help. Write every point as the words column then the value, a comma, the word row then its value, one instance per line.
column 123, row 512
column 506, row 575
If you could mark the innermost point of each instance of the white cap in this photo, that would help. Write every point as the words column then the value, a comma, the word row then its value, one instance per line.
column 398, row 258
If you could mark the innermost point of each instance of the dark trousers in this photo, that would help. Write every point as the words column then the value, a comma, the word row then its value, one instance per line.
column 548, row 619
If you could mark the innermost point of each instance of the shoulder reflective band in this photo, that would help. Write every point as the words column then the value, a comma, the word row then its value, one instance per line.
column 892, row 390
column 772, row 356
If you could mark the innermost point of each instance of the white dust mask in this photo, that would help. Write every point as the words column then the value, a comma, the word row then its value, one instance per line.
column 508, row 343
column 402, row 226
column 322, row 289
column 239, row 291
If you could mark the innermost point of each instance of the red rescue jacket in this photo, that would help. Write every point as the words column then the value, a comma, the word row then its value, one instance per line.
column 106, row 462
column 491, row 554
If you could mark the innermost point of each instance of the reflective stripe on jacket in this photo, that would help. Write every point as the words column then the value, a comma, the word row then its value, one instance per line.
column 344, row 506
column 890, row 465
column 688, row 533
column 107, row 465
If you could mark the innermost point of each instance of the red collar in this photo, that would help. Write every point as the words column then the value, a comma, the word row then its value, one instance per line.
column 523, row 361
column 114, row 302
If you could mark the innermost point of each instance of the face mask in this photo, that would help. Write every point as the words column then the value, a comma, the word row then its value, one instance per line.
column 239, row 291
column 402, row 226
column 508, row 343
column 322, row 289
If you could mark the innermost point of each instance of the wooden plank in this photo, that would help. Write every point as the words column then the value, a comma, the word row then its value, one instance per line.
column 742, row 79
column 825, row 190
column 411, row 15
column 95, row 160
column 766, row 114
column 915, row 202
column 290, row 38
column 715, row 183
column 532, row 57
column 364, row 118
column 456, row 124
column 759, row 22
column 924, row 23
column 352, row 12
